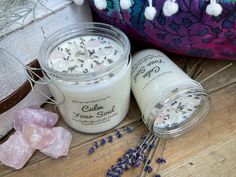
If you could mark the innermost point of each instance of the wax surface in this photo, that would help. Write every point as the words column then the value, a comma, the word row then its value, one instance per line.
column 85, row 54
column 177, row 111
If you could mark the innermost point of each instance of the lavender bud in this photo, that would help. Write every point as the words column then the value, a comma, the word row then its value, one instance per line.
column 137, row 164
column 96, row 145
column 110, row 138
column 157, row 175
column 91, row 150
column 129, row 130
column 160, row 160
column 103, row 142
column 148, row 169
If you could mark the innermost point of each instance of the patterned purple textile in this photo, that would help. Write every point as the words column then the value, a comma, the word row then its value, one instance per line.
column 189, row 32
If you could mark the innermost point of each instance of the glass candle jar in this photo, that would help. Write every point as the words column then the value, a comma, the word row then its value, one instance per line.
column 170, row 101
column 90, row 69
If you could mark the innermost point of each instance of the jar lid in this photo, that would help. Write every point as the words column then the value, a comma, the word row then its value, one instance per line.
column 179, row 111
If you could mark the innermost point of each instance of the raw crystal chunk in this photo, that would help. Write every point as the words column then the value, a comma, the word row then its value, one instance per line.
column 61, row 145
column 37, row 137
column 15, row 152
column 35, row 115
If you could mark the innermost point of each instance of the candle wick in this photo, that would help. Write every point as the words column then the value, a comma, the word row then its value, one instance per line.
column 213, row 74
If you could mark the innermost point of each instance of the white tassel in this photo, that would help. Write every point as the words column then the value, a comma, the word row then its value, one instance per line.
column 125, row 4
column 100, row 4
column 214, row 8
column 150, row 11
column 79, row 2
column 170, row 8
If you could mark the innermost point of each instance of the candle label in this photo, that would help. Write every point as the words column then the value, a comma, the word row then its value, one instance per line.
column 95, row 112
column 148, row 68
column 153, row 73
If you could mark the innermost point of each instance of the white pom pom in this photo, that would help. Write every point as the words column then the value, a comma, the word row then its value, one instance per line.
column 79, row 2
column 125, row 4
column 100, row 4
column 170, row 8
column 214, row 9
column 150, row 12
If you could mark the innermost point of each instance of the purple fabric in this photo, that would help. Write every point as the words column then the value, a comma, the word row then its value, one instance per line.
column 189, row 32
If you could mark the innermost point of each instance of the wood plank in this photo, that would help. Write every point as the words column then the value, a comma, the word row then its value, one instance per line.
column 215, row 161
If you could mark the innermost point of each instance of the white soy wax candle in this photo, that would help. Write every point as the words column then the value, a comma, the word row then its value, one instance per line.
column 170, row 101
column 90, row 69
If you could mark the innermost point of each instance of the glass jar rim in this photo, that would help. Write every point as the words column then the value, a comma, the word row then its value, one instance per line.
column 187, row 125
column 86, row 28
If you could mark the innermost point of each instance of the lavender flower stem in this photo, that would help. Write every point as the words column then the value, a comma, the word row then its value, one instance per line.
column 153, row 141
column 141, row 143
column 148, row 135
column 137, row 123
column 148, row 141
column 150, row 156
column 164, row 142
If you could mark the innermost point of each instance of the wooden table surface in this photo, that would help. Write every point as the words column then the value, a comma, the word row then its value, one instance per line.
column 209, row 150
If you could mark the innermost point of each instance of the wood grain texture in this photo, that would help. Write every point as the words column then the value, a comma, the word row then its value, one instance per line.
column 206, row 151
column 199, row 69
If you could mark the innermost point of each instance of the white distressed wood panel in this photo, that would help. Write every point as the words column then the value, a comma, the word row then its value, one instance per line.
column 9, row 68
column 25, row 43
column 41, row 8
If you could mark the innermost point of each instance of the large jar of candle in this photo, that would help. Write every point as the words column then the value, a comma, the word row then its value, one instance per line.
column 89, row 70
column 170, row 101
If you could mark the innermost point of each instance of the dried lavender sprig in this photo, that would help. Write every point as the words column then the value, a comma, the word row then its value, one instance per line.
column 160, row 158
column 145, row 138
column 147, row 167
column 127, row 129
column 213, row 74
column 110, row 138
column 132, row 158
column 151, row 141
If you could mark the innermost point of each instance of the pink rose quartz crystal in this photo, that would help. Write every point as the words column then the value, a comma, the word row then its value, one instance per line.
column 61, row 145
column 38, row 137
column 34, row 130
column 15, row 152
column 35, row 115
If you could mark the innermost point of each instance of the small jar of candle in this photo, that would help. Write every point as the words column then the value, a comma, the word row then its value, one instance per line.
column 90, row 69
column 170, row 101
